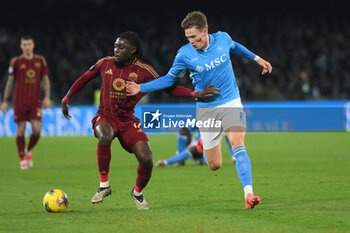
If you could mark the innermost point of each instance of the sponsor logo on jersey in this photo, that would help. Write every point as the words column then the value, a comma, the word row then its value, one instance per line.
column 23, row 66
column 30, row 73
column 109, row 71
column 30, row 76
column 216, row 62
column 119, row 84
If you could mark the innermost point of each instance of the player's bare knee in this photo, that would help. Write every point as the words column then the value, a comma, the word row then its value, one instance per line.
column 214, row 165
column 36, row 131
column 105, row 140
column 237, row 143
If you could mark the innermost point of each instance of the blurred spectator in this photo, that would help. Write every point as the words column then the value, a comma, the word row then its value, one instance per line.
column 310, row 55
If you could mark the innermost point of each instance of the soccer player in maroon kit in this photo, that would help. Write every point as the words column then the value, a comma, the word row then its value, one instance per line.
column 27, row 71
column 115, row 115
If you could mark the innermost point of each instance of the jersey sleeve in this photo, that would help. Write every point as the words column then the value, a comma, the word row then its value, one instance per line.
column 45, row 69
column 179, row 65
column 90, row 74
column 12, row 69
column 151, row 73
column 238, row 49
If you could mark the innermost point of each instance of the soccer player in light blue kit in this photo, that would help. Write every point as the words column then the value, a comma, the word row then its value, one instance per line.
column 207, row 58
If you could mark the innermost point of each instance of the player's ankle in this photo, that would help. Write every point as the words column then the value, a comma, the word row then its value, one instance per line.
column 104, row 184
column 248, row 189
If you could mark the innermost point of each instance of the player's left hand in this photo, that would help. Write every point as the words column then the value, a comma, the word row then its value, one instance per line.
column 267, row 68
column 46, row 102
column 206, row 92
column 132, row 88
column 65, row 108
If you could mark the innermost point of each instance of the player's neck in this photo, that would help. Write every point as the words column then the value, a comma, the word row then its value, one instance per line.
column 126, row 63
column 206, row 44
column 28, row 55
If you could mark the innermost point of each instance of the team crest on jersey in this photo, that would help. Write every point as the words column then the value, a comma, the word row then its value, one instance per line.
column 132, row 76
column 119, row 84
column 37, row 65
column 199, row 69
column 23, row 66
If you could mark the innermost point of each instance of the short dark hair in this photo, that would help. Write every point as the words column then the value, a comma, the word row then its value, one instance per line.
column 27, row 37
column 195, row 19
column 134, row 39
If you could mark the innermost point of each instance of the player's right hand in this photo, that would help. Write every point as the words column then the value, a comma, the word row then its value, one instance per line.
column 65, row 108
column 4, row 107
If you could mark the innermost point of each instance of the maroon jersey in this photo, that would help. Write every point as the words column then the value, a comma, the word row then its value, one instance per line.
column 27, row 73
column 113, row 98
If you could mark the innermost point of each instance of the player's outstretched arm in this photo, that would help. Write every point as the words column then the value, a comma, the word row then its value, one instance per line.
column 155, row 85
column 186, row 92
column 242, row 51
column 76, row 87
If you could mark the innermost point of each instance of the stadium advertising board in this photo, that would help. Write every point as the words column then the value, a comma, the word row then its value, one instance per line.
column 168, row 118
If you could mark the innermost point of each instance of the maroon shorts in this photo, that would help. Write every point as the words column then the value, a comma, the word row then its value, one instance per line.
column 27, row 112
column 128, row 131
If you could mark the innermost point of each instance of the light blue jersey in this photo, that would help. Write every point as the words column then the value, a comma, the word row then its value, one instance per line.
column 212, row 66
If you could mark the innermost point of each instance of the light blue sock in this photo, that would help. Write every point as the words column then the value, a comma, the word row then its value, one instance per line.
column 185, row 154
column 182, row 141
column 243, row 166
column 229, row 146
column 205, row 158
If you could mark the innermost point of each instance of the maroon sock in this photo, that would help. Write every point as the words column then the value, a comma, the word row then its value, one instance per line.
column 103, row 160
column 32, row 141
column 20, row 146
column 143, row 176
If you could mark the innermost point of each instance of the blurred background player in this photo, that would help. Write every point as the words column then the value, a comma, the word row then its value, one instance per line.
column 115, row 115
column 186, row 148
column 29, row 72
column 207, row 57
column 189, row 147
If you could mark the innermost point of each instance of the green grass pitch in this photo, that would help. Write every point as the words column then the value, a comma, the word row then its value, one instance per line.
column 302, row 178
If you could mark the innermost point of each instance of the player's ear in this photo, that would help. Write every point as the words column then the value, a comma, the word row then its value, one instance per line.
column 133, row 50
